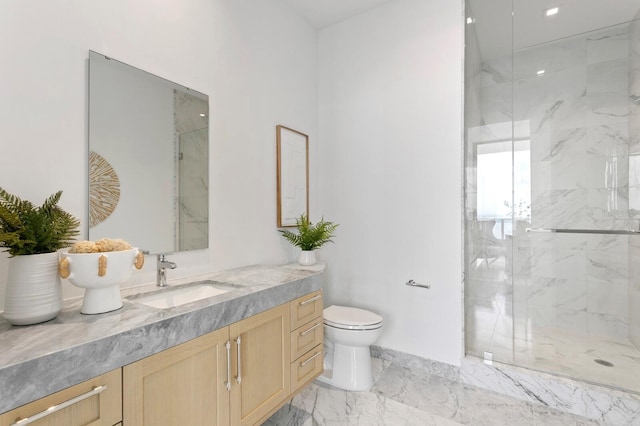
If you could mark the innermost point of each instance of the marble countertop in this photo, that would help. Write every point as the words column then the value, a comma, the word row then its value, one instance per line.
column 38, row 360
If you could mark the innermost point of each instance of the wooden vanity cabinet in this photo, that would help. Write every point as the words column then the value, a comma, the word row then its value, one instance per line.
column 307, row 332
column 183, row 385
column 238, row 375
column 186, row 384
column 261, row 363
column 96, row 402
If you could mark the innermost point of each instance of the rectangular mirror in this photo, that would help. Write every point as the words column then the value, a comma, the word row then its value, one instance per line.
column 148, row 159
column 292, row 149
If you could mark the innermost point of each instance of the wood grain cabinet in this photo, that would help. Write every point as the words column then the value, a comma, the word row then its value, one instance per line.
column 261, row 365
column 183, row 385
column 238, row 375
column 306, row 339
column 96, row 402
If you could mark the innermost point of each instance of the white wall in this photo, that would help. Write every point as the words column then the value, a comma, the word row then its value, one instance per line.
column 391, row 166
column 255, row 59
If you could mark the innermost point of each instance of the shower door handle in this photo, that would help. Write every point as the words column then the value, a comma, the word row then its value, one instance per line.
column 582, row 231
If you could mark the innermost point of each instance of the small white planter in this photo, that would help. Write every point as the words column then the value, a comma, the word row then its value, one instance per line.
column 34, row 292
column 307, row 258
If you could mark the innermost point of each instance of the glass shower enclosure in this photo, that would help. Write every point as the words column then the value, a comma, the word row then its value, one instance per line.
column 552, row 187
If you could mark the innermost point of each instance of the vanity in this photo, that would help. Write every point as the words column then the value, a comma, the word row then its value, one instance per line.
column 231, row 359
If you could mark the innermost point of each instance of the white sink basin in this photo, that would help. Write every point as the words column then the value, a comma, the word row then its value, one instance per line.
column 172, row 297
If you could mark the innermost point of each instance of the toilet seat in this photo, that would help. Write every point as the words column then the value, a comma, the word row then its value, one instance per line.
column 348, row 318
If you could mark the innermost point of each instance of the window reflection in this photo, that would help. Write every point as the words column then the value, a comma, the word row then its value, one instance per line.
column 498, row 164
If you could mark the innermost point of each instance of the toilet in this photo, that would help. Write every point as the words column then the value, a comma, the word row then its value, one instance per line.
column 348, row 333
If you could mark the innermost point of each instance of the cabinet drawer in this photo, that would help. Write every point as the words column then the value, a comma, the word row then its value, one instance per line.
column 305, row 309
column 306, row 368
column 96, row 402
column 306, row 338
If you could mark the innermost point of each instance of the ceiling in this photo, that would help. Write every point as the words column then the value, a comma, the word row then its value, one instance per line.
column 530, row 27
column 322, row 13
column 493, row 18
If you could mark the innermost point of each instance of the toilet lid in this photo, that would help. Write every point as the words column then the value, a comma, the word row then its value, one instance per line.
column 351, row 318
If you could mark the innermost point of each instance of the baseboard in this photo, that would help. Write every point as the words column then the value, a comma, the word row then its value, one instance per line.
column 438, row 368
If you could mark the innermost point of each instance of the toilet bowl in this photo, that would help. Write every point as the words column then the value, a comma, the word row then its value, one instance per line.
column 348, row 333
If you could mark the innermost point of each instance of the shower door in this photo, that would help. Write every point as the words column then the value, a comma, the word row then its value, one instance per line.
column 552, row 201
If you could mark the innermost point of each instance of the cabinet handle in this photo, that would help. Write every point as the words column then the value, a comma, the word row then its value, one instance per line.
column 28, row 420
column 313, row 299
column 228, row 382
column 310, row 329
column 239, row 376
column 303, row 363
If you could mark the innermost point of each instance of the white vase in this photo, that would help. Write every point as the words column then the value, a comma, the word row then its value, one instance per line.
column 307, row 258
column 34, row 292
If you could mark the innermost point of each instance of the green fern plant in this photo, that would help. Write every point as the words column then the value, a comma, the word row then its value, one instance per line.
column 29, row 229
column 310, row 236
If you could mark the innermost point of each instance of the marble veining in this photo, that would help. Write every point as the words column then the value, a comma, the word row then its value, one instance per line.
column 408, row 394
column 580, row 118
column 606, row 406
column 41, row 359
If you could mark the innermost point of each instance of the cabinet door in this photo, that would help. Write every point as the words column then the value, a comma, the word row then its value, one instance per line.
column 261, row 364
column 183, row 385
column 96, row 402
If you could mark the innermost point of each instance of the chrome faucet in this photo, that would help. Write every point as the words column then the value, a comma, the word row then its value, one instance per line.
column 163, row 264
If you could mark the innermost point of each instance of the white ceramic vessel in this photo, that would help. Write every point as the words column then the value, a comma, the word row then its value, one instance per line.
column 34, row 292
column 100, row 274
column 307, row 258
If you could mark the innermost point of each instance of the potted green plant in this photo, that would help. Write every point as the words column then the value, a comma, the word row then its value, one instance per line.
column 309, row 237
column 32, row 235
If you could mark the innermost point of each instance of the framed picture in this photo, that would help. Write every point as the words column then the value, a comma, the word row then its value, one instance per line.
column 292, row 149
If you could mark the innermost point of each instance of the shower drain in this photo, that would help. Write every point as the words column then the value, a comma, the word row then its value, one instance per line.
column 603, row 362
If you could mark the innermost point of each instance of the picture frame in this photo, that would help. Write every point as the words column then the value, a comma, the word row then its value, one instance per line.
column 292, row 152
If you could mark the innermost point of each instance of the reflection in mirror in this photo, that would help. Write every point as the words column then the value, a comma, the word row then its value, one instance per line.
column 148, row 159
column 292, row 175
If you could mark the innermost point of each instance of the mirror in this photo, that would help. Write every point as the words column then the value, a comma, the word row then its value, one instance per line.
column 148, row 159
column 292, row 175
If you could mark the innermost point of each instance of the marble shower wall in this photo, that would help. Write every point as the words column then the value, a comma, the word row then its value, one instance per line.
column 192, row 179
column 634, row 178
column 576, row 115
column 193, row 204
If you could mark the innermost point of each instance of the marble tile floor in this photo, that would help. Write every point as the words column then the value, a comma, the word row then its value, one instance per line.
column 405, row 397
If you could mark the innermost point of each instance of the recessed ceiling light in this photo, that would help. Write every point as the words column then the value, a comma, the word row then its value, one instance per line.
column 540, row 72
column 470, row 20
column 203, row 114
column 551, row 11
